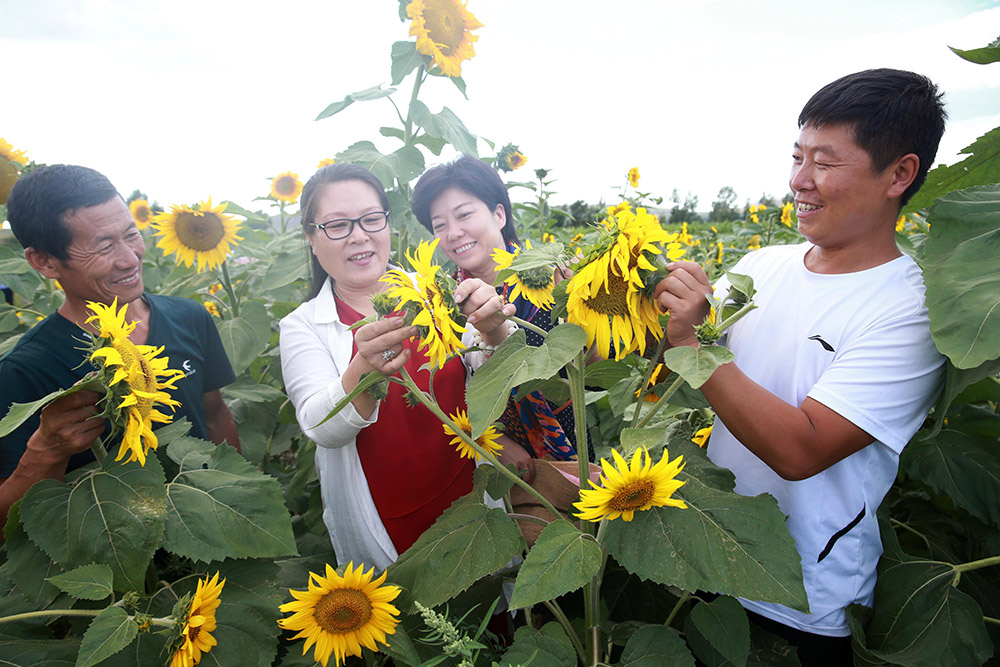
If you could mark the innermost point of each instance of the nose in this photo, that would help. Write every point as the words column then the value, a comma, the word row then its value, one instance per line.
column 127, row 255
column 801, row 176
column 357, row 234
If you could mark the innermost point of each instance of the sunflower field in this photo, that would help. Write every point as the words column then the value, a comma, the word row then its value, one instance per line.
column 173, row 551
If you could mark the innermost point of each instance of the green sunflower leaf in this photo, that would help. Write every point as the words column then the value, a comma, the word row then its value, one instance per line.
column 20, row 412
column 28, row 566
column 962, row 275
column 547, row 647
column 466, row 543
column 696, row 365
column 405, row 59
column 89, row 582
column 109, row 632
column 368, row 94
column 723, row 542
column 515, row 362
column 562, row 560
column 220, row 506
column 114, row 516
column 981, row 167
column 445, row 125
column 981, row 56
column 719, row 632
column 656, row 645
column 39, row 652
column 404, row 164
column 247, row 336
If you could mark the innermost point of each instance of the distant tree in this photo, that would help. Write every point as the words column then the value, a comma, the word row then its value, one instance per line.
column 767, row 200
column 724, row 206
column 688, row 212
column 584, row 213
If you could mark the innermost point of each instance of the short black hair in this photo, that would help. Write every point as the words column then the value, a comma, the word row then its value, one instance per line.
column 332, row 173
column 892, row 113
column 472, row 175
column 43, row 198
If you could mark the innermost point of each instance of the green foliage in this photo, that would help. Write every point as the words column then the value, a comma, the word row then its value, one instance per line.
column 719, row 632
column 562, row 560
column 653, row 646
column 110, row 632
column 981, row 167
column 89, row 582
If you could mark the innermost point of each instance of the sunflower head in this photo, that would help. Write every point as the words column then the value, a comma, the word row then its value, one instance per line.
column 532, row 279
column 340, row 614
column 488, row 440
column 326, row 162
column 786, row 214
column 633, row 177
column 430, row 303
column 11, row 162
column 201, row 234
column 195, row 623
column 609, row 296
column 700, row 438
column 443, row 29
column 510, row 158
column 141, row 212
column 629, row 488
column 286, row 187
column 136, row 380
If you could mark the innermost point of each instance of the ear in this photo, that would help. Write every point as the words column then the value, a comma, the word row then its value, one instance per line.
column 902, row 174
column 44, row 263
column 500, row 216
column 311, row 239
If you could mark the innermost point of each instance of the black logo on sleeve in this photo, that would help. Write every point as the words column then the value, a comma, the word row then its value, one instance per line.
column 826, row 346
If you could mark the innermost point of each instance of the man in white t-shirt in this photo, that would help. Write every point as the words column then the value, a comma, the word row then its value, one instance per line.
column 835, row 370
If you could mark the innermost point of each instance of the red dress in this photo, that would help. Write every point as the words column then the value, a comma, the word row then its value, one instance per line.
column 414, row 472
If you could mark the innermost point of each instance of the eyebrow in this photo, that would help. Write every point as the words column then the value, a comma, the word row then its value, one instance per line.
column 823, row 148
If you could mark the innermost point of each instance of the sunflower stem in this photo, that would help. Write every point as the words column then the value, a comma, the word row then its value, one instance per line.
column 50, row 613
column 227, row 283
column 408, row 123
column 445, row 419
column 650, row 369
column 560, row 615
column 677, row 607
column 671, row 390
column 524, row 324
column 99, row 452
column 735, row 317
column 976, row 564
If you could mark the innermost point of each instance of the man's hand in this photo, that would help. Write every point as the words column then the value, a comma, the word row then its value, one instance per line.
column 682, row 294
column 67, row 426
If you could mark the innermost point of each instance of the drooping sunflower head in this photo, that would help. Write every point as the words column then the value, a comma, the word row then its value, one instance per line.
column 535, row 281
column 286, row 187
column 197, row 624
column 633, row 177
column 340, row 614
column 510, row 158
column 11, row 162
column 700, row 438
column 141, row 212
column 430, row 302
column 629, row 488
column 488, row 440
column 136, row 380
column 609, row 296
column 199, row 234
column 443, row 29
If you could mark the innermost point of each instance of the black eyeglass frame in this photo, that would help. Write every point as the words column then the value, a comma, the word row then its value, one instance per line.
column 353, row 221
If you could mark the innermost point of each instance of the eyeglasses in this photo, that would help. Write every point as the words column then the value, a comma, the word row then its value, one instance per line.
column 341, row 228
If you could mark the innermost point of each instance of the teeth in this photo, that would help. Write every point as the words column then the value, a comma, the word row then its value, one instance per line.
column 364, row 255
column 465, row 247
column 808, row 207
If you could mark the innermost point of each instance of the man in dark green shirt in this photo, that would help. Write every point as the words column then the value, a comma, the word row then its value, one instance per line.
column 77, row 229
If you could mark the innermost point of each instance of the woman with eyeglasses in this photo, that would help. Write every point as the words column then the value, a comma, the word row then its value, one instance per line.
column 465, row 204
column 386, row 470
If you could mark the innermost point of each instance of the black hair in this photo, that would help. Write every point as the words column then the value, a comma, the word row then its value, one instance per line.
column 43, row 198
column 332, row 173
column 469, row 174
column 891, row 113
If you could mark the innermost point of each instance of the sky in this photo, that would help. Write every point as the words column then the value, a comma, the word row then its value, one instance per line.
column 192, row 99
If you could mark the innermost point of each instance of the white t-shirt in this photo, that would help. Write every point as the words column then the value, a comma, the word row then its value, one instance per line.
column 860, row 344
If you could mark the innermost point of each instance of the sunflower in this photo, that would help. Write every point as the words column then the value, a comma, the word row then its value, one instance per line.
column 607, row 296
column 326, row 162
column 633, row 177
column 212, row 308
column 434, row 306
column 701, row 437
column 510, row 158
column 660, row 373
column 141, row 212
column 632, row 488
column 443, row 29
column 200, row 621
column 340, row 614
column 131, row 406
column 286, row 187
column 536, row 284
column 11, row 162
column 786, row 213
column 487, row 440
column 203, row 234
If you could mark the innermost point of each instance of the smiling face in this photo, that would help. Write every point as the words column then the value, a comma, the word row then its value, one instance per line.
column 104, row 258
column 357, row 261
column 469, row 231
column 841, row 201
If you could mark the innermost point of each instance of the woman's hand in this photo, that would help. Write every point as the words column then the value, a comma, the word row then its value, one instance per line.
column 484, row 309
column 514, row 454
column 380, row 345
